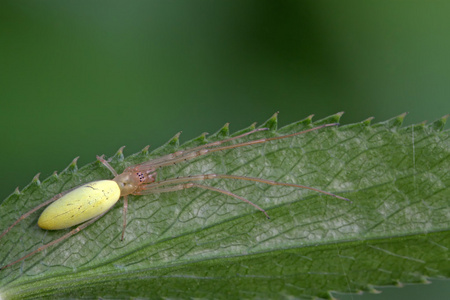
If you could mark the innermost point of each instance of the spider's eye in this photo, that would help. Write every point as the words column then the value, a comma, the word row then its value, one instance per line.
column 141, row 176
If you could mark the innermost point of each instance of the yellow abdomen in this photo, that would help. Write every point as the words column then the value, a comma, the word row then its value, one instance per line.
column 80, row 205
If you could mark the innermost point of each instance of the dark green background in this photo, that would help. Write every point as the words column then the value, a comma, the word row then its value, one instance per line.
column 80, row 78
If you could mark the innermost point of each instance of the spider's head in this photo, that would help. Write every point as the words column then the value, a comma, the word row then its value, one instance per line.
column 131, row 179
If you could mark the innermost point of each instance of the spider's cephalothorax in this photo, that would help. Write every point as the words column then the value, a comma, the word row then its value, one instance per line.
column 131, row 179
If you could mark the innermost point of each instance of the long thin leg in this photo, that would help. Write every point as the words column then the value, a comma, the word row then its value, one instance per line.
column 125, row 198
column 217, row 143
column 110, row 168
column 190, row 185
column 147, row 189
column 67, row 235
column 156, row 161
column 232, row 195
column 25, row 215
column 190, row 155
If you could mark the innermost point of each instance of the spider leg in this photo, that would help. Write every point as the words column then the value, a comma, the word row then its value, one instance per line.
column 27, row 214
column 147, row 189
column 103, row 161
column 181, row 183
column 67, row 235
column 183, row 156
column 230, row 194
column 188, row 185
column 155, row 163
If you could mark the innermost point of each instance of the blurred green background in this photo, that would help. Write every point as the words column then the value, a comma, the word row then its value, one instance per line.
column 80, row 78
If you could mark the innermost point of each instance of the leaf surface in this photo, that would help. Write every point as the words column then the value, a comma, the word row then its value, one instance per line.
column 197, row 243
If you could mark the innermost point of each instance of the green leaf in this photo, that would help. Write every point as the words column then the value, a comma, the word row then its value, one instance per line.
column 201, row 244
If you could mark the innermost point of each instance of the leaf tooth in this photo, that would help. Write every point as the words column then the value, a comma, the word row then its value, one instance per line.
column 17, row 191
column 225, row 130
column 15, row 195
column 338, row 116
column 330, row 119
column 392, row 123
column 399, row 284
column 36, row 180
column 118, row 156
column 170, row 145
column 424, row 280
column 271, row 123
column 299, row 125
column 359, row 292
column 72, row 167
column 330, row 296
column 308, row 119
column 197, row 141
column 368, row 121
column 439, row 124
column 201, row 138
column 373, row 290
column 398, row 121
column 175, row 140
column 144, row 150
column 247, row 129
column 422, row 124
column 222, row 133
column 51, row 179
